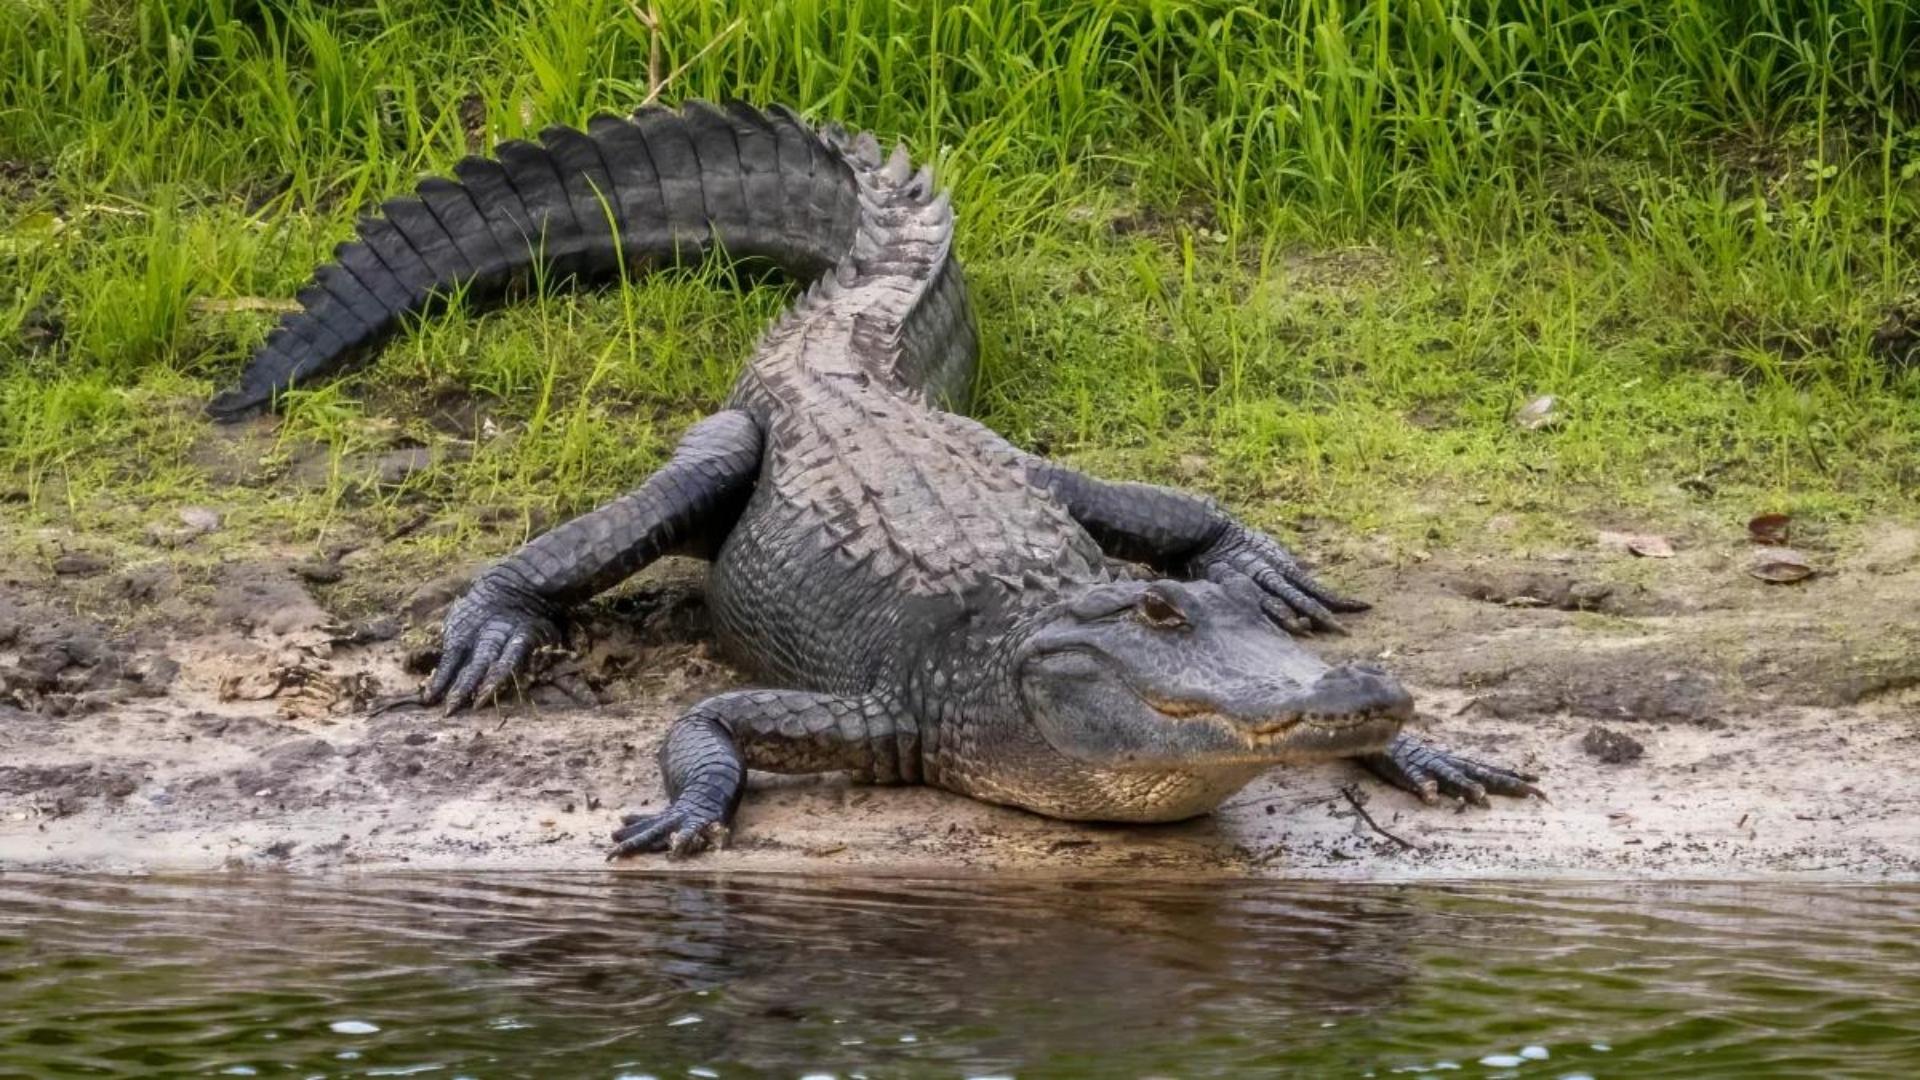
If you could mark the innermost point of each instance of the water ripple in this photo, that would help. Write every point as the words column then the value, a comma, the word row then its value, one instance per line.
column 604, row 975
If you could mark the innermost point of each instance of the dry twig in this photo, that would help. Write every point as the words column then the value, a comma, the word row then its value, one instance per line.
column 1353, row 800
column 650, row 18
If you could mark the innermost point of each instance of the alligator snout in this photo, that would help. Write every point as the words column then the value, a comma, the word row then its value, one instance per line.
column 1359, row 690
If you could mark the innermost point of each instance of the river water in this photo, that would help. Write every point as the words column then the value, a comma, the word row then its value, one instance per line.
column 634, row 975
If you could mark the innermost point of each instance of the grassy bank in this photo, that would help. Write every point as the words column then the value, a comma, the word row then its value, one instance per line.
column 1310, row 256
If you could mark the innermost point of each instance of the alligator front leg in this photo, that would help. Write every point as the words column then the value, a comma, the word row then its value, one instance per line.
column 517, row 605
column 1189, row 535
column 1411, row 765
column 708, row 751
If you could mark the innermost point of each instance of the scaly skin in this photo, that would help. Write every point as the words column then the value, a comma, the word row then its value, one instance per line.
column 933, row 604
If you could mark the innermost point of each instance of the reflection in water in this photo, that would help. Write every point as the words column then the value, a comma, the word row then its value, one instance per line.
column 605, row 975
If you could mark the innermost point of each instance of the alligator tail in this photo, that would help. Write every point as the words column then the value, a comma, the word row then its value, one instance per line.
column 626, row 194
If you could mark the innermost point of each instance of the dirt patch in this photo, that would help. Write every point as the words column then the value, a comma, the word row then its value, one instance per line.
column 1686, row 719
column 1612, row 747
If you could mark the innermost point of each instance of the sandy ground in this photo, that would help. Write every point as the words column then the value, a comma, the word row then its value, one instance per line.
column 1687, row 719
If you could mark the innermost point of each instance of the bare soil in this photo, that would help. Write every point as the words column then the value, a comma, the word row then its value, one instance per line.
column 1687, row 719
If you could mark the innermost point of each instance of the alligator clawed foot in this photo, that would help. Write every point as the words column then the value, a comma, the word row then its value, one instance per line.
column 1250, row 562
column 490, row 634
column 1411, row 765
column 679, row 831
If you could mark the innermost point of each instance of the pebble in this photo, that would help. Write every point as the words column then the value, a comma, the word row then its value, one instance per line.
column 319, row 571
column 78, row 564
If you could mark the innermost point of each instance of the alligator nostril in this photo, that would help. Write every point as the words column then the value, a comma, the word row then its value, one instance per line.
column 1395, row 701
column 1362, row 688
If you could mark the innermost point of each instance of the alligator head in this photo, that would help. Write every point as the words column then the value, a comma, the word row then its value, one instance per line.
column 1184, row 675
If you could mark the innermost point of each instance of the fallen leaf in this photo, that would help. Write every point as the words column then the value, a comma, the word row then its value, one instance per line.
column 1771, row 529
column 1780, row 566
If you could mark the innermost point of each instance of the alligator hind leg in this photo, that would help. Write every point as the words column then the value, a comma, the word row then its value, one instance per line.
column 1411, row 765
column 708, row 752
column 516, row 605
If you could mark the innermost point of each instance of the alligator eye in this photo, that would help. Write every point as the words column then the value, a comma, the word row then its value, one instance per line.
column 1158, row 611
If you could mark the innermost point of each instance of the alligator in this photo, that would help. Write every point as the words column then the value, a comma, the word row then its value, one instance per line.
column 924, row 601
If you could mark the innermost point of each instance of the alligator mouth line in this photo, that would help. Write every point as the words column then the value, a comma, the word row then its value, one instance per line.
column 1267, row 731
column 1263, row 734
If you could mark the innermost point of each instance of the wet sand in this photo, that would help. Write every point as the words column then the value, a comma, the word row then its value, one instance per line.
column 1687, row 719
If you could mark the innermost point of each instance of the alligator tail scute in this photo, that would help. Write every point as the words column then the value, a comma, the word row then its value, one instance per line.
column 625, row 195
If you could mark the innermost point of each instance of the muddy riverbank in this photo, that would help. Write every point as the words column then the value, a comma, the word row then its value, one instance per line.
column 1688, row 719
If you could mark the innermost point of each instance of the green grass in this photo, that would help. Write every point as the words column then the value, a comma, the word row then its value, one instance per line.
column 1309, row 255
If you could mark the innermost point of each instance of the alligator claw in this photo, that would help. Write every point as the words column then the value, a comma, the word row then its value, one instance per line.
column 1411, row 765
column 490, row 634
column 1244, row 557
column 679, row 831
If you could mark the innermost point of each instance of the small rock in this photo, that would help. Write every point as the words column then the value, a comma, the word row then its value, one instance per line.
column 1611, row 746
column 319, row 571
column 1526, row 590
column 1540, row 413
column 1587, row 595
column 195, row 521
column 78, row 564
column 368, row 631
column 200, row 519
column 1645, row 545
column 296, row 754
column 395, row 468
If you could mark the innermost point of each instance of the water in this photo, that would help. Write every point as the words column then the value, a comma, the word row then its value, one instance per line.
column 631, row 975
